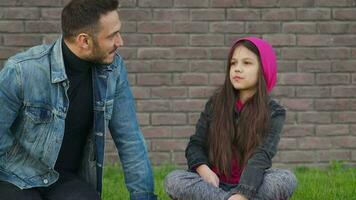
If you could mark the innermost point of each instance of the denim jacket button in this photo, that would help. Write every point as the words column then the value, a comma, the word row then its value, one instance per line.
column 45, row 181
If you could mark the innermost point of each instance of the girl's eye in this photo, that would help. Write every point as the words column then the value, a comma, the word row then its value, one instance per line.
column 232, row 63
column 247, row 63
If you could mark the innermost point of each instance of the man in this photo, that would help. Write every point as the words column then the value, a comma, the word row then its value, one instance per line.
column 56, row 102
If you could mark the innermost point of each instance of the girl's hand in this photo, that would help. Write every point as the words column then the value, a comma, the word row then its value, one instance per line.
column 237, row 197
column 208, row 175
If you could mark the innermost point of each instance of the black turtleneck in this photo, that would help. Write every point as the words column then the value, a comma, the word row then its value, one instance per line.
column 79, row 118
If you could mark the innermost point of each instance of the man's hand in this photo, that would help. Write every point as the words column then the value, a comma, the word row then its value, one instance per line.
column 237, row 197
column 208, row 175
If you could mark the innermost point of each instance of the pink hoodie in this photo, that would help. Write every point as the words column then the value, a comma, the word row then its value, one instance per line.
column 268, row 59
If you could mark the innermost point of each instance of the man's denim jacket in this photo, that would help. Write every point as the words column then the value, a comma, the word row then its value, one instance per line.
column 33, row 107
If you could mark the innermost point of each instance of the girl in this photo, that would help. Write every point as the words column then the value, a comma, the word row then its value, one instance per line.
column 230, row 154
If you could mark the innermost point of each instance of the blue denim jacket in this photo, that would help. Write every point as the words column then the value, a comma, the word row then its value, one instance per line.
column 33, row 107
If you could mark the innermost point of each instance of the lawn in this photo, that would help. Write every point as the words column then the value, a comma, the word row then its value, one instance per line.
column 335, row 183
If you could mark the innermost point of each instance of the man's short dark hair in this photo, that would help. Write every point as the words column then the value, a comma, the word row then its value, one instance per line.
column 83, row 15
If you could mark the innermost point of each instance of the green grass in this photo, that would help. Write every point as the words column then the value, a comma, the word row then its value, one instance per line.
column 335, row 183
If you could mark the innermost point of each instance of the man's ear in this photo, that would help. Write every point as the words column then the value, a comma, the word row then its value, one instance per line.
column 83, row 40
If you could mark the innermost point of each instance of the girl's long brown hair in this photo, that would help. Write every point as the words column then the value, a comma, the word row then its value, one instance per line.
column 228, row 138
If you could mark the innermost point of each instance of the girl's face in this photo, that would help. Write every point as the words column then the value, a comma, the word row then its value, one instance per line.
column 244, row 66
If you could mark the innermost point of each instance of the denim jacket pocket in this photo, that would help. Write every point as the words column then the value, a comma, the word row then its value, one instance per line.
column 39, row 115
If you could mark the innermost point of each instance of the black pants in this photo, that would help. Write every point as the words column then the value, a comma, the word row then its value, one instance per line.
column 68, row 187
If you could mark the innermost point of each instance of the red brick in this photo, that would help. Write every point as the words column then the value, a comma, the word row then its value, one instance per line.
column 156, row 132
column 188, row 105
column 299, row 27
column 128, row 27
column 219, row 53
column 143, row 118
column 286, row 66
column 169, row 66
column 190, row 79
column 227, row 27
column 262, row 3
column 207, row 40
column 43, row 26
column 315, row 143
column 6, row 52
column 127, row 3
column 169, row 40
column 136, row 39
column 344, row 141
column 263, row 27
column 216, row 78
column 300, row 3
column 135, row 14
column 22, row 40
column 132, row 79
column 141, row 92
column 332, row 53
column 201, row 92
column 138, row 66
column 154, row 27
column 154, row 53
column 314, row 117
column 353, row 155
column 278, row 14
column 8, row 3
column 297, row 156
column 343, row 91
column 353, row 104
column 243, row 14
column 344, row 14
column 332, row 129
column 291, row 118
column 333, row 155
column 298, row 104
column 169, row 92
column 191, row 4
column 128, row 52
column 179, row 159
column 335, row 27
column 183, row 131
column 169, row 145
column 171, row 14
column 193, row 118
column 168, row 119
column 344, row 66
column 344, row 40
column 226, row 3
column 314, row 40
column 332, row 3
column 207, row 66
column 154, row 79
column 191, row 27
column 51, row 3
column 160, row 158
column 283, row 91
column 344, row 117
column 298, row 53
column 287, row 143
column 190, row 53
column 21, row 13
column 313, row 91
column 313, row 14
column 11, row 26
column 333, row 78
column 51, row 13
column 155, row 3
column 280, row 39
column 332, row 104
column 207, row 14
column 314, row 66
column 296, row 79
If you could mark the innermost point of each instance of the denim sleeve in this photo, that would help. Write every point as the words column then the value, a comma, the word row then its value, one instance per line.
column 252, row 175
column 130, row 142
column 196, row 151
column 10, row 103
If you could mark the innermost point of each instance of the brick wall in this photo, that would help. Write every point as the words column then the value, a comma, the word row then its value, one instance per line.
column 175, row 52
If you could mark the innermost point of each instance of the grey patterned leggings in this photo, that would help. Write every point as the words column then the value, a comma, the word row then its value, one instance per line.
column 278, row 184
